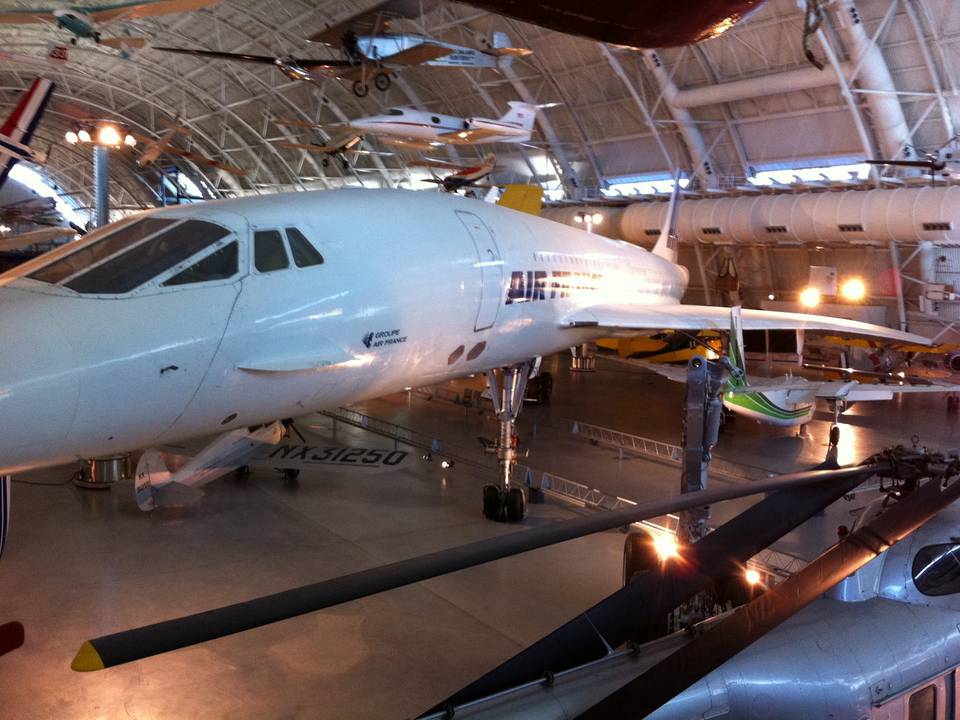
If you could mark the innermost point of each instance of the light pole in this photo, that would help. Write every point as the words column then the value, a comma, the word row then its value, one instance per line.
column 589, row 219
column 102, row 135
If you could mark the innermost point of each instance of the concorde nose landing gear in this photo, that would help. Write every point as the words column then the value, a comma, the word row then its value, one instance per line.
column 504, row 502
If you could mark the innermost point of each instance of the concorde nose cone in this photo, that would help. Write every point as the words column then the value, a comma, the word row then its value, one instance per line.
column 39, row 386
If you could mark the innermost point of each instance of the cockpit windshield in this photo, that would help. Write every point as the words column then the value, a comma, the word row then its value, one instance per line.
column 130, row 256
column 936, row 569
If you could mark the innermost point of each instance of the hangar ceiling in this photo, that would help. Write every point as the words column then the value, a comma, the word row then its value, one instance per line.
column 613, row 112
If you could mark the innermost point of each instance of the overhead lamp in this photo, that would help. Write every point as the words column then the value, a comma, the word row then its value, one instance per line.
column 666, row 546
column 4, row 229
column 129, row 140
column 597, row 218
column 853, row 289
column 446, row 464
column 810, row 297
column 108, row 135
column 71, row 137
column 771, row 296
column 84, row 136
column 752, row 576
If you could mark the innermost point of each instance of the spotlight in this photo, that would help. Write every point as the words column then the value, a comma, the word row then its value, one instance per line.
column 578, row 218
column 71, row 137
column 752, row 576
column 810, row 297
column 84, row 136
column 427, row 457
column 108, row 135
column 666, row 546
column 771, row 296
column 4, row 229
column 597, row 218
column 129, row 140
column 446, row 464
column 853, row 289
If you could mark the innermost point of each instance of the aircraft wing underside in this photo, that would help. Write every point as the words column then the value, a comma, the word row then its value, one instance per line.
column 633, row 319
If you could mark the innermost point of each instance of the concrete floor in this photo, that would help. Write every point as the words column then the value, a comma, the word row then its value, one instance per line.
column 83, row 563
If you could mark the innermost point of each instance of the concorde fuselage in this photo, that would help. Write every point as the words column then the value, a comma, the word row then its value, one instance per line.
column 415, row 288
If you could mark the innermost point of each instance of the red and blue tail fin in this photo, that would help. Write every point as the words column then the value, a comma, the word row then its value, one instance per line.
column 17, row 132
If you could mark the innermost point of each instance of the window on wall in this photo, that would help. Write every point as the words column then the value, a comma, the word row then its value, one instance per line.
column 813, row 170
column 269, row 253
column 304, row 253
column 648, row 184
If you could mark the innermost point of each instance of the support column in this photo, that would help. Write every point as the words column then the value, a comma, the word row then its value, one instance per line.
column 5, row 482
column 898, row 285
column 101, row 185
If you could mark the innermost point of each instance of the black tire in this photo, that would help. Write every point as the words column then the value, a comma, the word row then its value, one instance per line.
column 381, row 81
column 516, row 505
column 638, row 554
column 243, row 472
column 290, row 473
column 492, row 504
column 835, row 435
column 360, row 89
column 325, row 162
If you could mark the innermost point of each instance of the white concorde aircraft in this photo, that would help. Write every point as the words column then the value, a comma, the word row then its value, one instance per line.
column 215, row 316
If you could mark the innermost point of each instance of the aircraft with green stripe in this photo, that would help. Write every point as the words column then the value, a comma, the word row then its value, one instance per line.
column 791, row 401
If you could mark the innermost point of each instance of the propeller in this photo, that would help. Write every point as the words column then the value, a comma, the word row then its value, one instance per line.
column 262, row 59
column 730, row 635
column 139, row 643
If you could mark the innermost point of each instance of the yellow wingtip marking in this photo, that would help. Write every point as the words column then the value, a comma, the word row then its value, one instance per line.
column 87, row 659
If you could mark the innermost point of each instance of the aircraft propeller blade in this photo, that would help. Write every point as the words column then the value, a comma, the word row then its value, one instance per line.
column 263, row 59
column 139, row 643
column 728, row 636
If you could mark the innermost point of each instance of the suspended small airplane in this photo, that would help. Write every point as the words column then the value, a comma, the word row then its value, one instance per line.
column 17, row 132
column 36, row 210
column 152, row 148
column 87, row 21
column 337, row 146
column 791, row 401
column 462, row 177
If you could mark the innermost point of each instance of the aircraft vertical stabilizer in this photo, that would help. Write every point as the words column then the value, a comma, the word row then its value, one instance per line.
column 521, row 113
column 524, row 198
column 735, row 351
column 17, row 131
column 667, row 245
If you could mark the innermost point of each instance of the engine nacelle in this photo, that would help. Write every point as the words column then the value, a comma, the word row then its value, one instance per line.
column 953, row 361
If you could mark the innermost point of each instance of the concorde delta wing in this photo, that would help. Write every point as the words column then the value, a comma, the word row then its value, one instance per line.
column 622, row 319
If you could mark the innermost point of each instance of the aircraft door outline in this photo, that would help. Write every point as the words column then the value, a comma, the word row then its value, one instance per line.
column 490, row 264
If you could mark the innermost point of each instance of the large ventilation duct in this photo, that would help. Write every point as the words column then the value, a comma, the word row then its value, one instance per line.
column 889, row 123
column 685, row 122
column 791, row 81
column 926, row 214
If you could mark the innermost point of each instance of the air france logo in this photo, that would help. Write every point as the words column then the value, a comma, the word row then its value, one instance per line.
column 534, row 285
column 383, row 337
column 368, row 340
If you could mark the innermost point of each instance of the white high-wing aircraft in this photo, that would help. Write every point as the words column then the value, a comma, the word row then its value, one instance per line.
column 215, row 316
column 790, row 401
column 34, row 237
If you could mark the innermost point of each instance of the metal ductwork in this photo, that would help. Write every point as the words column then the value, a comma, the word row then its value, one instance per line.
column 925, row 214
column 774, row 84
column 685, row 122
column 889, row 123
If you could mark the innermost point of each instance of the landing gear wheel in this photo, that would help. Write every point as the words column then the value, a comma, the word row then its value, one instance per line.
column 516, row 505
column 325, row 162
column 638, row 555
column 242, row 472
column 346, row 164
column 290, row 473
column 360, row 89
column 492, row 503
column 835, row 435
column 381, row 81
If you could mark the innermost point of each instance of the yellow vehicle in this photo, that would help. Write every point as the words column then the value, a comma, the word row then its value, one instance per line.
column 667, row 347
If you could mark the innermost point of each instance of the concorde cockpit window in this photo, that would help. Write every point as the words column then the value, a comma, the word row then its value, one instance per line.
column 110, row 244
column 135, row 266
column 218, row 265
column 936, row 569
column 269, row 254
column 304, row 254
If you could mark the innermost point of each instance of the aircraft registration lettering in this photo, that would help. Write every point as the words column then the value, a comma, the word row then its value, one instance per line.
column 337, row 455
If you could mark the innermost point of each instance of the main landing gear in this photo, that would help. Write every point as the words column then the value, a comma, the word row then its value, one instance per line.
column 504, row 502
